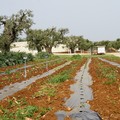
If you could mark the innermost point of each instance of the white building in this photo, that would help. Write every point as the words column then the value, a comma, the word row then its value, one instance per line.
column 101, row 50
column 23, row 47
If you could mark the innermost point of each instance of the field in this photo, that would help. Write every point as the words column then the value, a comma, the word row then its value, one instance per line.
column 41, row 99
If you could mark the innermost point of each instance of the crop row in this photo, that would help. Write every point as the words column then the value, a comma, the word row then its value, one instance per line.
column 19, row 75
column 42, row 98
column 112, row 58
column 106, row 89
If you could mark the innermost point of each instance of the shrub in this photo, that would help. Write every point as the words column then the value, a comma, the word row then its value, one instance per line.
column 76, row 57
column 43, row 55
column 13, row 58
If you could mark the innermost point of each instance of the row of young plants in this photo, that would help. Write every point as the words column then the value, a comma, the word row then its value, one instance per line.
column 112, row 58
column 106, row 89
column 104, row 71
column 32, row 71
column 41, row 99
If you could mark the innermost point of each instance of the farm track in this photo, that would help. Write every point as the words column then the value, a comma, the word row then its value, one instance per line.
column 106, row 89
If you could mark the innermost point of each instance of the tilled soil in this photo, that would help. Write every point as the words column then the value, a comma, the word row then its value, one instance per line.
column 106, row 99
column 106, row 96
column 19, row 75
column 54, row 102
column 113, row 59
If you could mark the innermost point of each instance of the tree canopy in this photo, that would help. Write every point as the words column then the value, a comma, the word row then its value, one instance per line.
column 77, row 42
column 39, row 39
column 71, row 42
column 109, row 44
column 13, row 26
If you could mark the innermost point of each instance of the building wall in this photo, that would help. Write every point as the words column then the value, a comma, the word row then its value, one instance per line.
column 23, row 47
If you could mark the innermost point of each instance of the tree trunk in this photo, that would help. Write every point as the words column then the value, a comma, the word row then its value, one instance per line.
column 72, row 50
column 6, row 48
column 48, row 49
column 39, row 49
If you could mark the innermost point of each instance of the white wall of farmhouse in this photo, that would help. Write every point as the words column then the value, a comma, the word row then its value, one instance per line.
column 23, row 47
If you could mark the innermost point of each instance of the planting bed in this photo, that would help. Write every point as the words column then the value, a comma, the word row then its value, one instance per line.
column 106, row 89
column 43, row 98
column 112, row 58
column 18, row 76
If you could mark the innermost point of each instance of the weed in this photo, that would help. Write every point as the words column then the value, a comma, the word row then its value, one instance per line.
column 26, row 112
column 46, row 90
column 107, row 72
column 11, row 103
column 60, row 77
column 109, row 82
column 74, row 57
column 8, row 72
column 6, row 114
column 5, row 78
column 20, row 114
column 44, row 110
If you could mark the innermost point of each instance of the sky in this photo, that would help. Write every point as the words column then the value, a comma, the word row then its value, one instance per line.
column 93, row 19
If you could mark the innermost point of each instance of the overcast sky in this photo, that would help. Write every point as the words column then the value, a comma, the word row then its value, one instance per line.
column 94, row 19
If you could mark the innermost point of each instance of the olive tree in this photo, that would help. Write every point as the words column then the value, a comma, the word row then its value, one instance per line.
column 48, row 38
column 53, row 37
column 14, row 26
column 35, row 39
column 71, row 42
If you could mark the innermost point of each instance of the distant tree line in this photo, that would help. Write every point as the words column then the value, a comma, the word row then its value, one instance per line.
column 109, row 45
column 40, row 39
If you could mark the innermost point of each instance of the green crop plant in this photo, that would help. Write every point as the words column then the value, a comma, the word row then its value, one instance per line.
column 19, row 114
column 28, row 111
column 58, row 78
column 109, row 82
column 8, row 72
column 5, row 78
column 107, row 72
column 22, row 101
column 46, row 90
column 63, row 76
column 5, row 114
column 16, row 102
column 76, row 57
column 44, row 110
column 11, row 103
column 17, row 75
